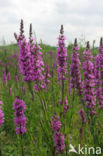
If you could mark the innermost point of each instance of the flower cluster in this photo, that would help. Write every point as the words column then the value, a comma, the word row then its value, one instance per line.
column 59, row 142
column 20, row 119
column 8, row 76
column 99, row 75
column 1, row 114
column 89, row 81
column 61, row 56
column 75, row 70
column 30, row 57
column 66, row 106
column 58, row 136
column 83, row 118
column 56, row 124
column 38, row 64
column 25, row 64
column 4, row 78
column 36, row 57
column 46, row 77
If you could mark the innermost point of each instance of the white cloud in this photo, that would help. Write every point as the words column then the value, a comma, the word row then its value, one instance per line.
column 77, row 16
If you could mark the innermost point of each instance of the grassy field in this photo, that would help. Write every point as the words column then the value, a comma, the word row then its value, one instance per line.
column 38, row 140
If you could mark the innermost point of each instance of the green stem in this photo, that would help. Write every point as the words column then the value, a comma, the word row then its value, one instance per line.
column 45, row 133
column 0, row 148
column 63, row 91
column 31, row 90
column 22, row 152
column 72, row 106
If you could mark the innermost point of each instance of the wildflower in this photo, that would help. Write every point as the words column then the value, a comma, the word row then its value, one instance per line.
column 66, row 106
column 61, row 102
column 1, row 114
column 21, row 36
column 83, row 118
column 23, row 89
column 25, row 61
column 59, row 142
column 36, row 88
column 20, row 119
column 16, row 78
column 89, row 80
column 61, row 56
column 4, row 78
column 75, row 70
column 55, row 123
column 8, row 76
column 38, row 64
column 36, row 58
column 99, row 75
column 46, row 77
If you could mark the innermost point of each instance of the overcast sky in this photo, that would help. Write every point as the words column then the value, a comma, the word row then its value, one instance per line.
column 79, row 17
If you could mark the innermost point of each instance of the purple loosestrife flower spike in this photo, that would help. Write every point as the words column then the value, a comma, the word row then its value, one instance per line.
column 55, row 123
column 1, row 114
column 61, row 56
column 36, row 88
column 25, row 64
column 58, row 136
column 23, row 89
column 83, row 118
column 25, row 61
column 20, row 119
column 99, row 75
column 46, row 77
column 8, row 76
column 36, row 58
column 16, row 78
column 89, row 80
column 30, row 57
column 39, row 64
column 59, row 142
column 21, row 36
column 66, row 106
column 4, row 78
column 32, row 47
column 75, row 69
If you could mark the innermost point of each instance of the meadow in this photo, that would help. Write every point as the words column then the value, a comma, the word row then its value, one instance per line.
column 50, row 98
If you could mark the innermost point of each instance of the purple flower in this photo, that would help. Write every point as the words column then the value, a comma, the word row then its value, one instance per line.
column 23, row 89
column 89, row 80
column 83, row 118
column 25, row 63
column 55, row 123
column 99, row 75
column 36, row 88
column 59, row 142
column 1, row 114
column 8, row 76
column 16, row 78
column 20, row 130
column 75, row 70
column 46, row 77
column 1, row 103
column 61, row 56
column 30, row 57
column 20, row 119
column 4, row 78
column 66, row 106
column 61, row 102
column 38, row 65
